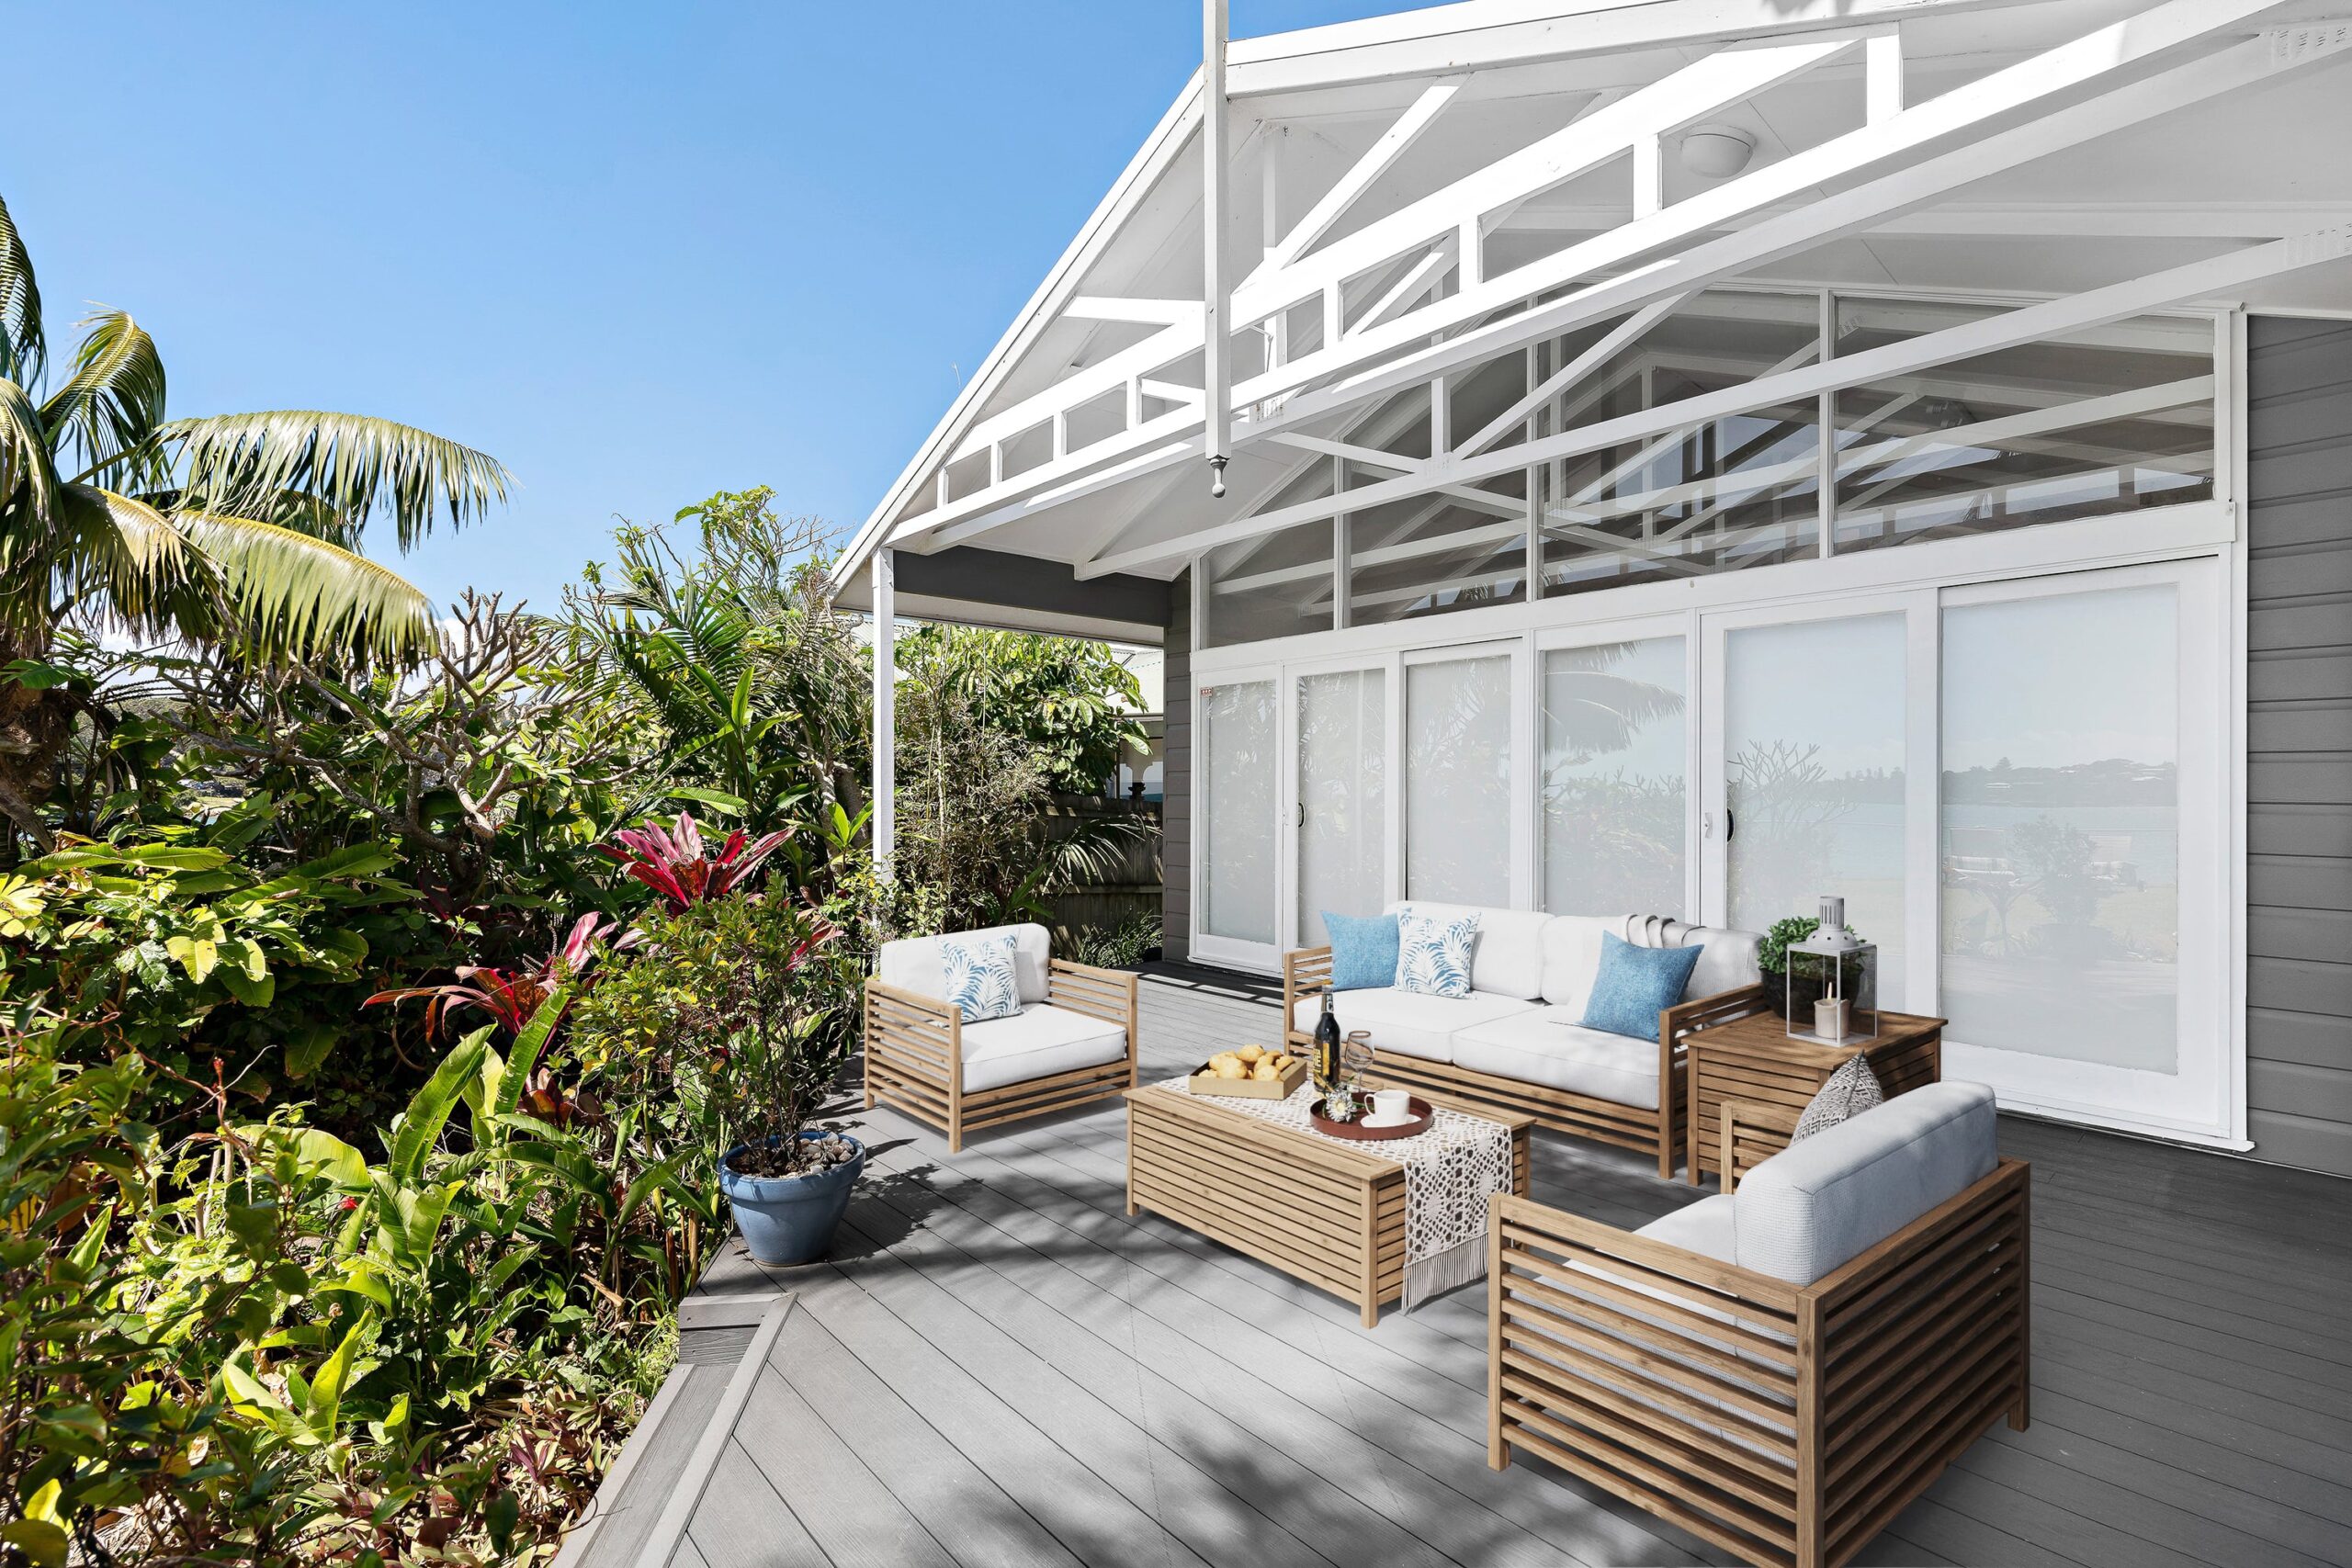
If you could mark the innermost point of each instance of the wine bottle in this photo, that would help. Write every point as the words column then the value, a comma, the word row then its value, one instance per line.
column 1327, row 1049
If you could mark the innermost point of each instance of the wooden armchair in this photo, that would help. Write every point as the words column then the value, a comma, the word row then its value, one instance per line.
column 924, row 1059
column 1785, row 1422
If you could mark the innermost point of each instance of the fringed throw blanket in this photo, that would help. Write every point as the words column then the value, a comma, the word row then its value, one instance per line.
column 1448, row 1172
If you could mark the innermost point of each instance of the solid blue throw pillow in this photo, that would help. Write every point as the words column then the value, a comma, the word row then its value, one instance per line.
column 1363, row 951
column 1635, row 984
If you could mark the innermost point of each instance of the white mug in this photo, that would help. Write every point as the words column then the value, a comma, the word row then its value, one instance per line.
column 1391, row 1105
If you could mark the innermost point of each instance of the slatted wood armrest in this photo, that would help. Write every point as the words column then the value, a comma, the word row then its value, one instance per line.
column 915, row 1001
column 1307, row 972
column 1107, row 993
column 1752, row 1133
column 1700, row 1012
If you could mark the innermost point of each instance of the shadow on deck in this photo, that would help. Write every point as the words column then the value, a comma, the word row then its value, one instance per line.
column 999, row 1366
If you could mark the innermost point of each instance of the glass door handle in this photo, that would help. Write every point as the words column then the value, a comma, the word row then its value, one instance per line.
column 1302, row 814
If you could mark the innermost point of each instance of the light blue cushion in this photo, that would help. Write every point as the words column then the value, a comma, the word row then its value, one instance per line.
column 1433, row 952
column 1635, row 984
column 1363, row 951
column 1818, row 1205
column 981, row 980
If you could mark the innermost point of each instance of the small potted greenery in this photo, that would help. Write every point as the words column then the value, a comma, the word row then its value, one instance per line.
column 735, row 1001
column 1772, row 958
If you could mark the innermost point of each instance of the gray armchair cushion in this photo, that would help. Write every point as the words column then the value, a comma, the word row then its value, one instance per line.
column 1817, row 1205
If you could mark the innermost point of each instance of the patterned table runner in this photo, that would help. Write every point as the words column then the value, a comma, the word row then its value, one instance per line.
column 1448, row 1171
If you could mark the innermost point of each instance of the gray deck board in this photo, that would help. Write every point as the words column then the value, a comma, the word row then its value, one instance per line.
column 1000, row 1365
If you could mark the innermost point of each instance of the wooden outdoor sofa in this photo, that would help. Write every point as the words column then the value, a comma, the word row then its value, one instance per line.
column 1781, row 1369
column 1517, row 1044
column 1072, row 1041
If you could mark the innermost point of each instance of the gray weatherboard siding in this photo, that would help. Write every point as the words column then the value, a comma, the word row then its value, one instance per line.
column 2298, row 742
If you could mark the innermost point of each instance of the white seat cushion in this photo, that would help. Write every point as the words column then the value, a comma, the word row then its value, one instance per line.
column 1408, row 1022
column 1571, row 957
column 1507, row 957
column 915, row 964
column 1705, row 1227
column 1036, row 1043
column 1548, row 1046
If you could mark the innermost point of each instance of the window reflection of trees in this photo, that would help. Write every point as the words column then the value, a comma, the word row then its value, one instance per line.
column 1236, row 826
column 1613, row 841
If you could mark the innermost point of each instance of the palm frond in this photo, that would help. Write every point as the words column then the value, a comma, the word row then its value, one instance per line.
column 114, row 400
column 298, row 596
column 26, row 466
column 129, row 552
column 23, row 351
column 240, row 463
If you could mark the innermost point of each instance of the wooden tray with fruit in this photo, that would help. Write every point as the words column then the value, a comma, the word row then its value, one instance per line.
column 1251, row 1072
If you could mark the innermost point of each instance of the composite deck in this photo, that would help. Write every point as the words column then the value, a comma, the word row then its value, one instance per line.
column 1000, row 1367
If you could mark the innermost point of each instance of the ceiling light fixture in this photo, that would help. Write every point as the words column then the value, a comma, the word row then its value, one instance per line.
column 1716, row 152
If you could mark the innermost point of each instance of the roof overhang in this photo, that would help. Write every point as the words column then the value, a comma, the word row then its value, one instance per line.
column 1425, row 193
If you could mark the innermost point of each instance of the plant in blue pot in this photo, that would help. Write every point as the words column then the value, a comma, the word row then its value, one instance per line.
column 755, row 1014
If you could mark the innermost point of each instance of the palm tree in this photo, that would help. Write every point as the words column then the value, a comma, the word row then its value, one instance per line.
column 238, row 532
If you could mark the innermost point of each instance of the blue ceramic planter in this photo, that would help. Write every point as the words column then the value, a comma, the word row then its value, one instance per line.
column 791, row 1219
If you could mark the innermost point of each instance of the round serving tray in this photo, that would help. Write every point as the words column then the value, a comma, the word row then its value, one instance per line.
column 1423, row 1115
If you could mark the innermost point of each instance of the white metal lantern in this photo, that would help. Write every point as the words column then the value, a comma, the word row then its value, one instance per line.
column 1833, row 982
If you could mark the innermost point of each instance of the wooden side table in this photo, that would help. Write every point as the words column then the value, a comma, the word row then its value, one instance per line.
column 1753, row 1060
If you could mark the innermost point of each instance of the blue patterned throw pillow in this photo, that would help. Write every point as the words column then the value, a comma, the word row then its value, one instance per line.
column 1363, row 951
column 1433, row 952
column 980, row 976
column 1635, row 984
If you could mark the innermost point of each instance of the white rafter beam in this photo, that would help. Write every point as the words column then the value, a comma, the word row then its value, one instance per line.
column 1393, row 144
column 2031, row 323
column 1114, row 307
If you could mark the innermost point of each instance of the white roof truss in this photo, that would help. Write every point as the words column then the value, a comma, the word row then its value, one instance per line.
column 1415, row 293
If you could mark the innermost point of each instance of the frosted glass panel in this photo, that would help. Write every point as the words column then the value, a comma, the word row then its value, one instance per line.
column 1457, row 771
column 1343, row 797
column 2061, row 832
column 1812, row 748
column 1236, row 826
column 1614, row 772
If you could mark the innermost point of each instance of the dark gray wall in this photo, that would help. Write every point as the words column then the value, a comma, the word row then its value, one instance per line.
column 1176, row 775
column 2299, row 730
column 994, row 578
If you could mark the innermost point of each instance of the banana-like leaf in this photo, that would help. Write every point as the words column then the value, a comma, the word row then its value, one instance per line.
column 358, row 466
column 114, row 402
column 299, row 595
column 419, row 1127
column 23, row 352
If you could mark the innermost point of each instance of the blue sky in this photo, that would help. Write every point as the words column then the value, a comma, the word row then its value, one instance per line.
column 639, row 253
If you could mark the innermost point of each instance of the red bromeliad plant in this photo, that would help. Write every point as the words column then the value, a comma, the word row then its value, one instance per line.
column 512, row 995
column 671, row 862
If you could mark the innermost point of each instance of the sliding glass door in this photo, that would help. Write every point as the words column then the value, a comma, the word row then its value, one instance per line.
column 1466, row 751
column 1810, row 741
column 1611, row 786
column 1342, row 812
column 2080, row 900
column 1237, row 834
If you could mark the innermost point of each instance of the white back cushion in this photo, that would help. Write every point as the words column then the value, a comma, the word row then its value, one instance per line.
column 1820, row 1203
column 1572, row 955
column 1507, row 958
column 915, row 965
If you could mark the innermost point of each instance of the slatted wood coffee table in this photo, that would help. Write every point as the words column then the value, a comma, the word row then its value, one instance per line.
column 1319, row 1210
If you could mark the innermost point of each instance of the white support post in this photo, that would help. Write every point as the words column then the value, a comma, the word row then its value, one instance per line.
column 1216, row 133
column 882, row 825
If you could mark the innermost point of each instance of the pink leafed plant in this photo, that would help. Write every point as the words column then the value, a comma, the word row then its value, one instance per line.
column 512, row 995
column 671, row 862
